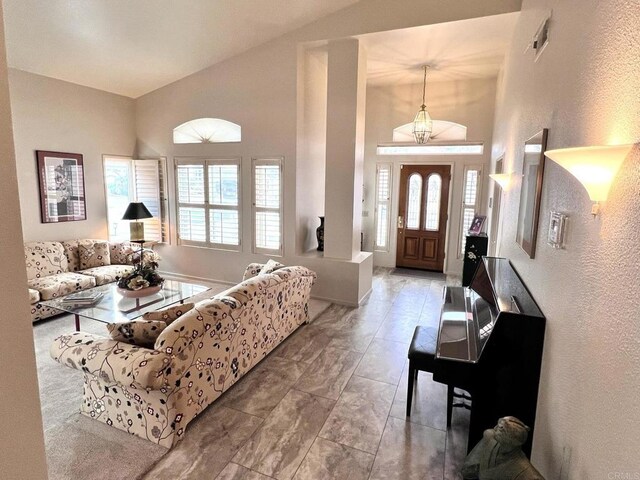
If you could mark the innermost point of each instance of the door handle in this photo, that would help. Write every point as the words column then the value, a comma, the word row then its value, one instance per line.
column 400, row 221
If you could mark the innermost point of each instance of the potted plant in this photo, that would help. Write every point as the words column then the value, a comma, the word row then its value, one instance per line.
column 144, row 279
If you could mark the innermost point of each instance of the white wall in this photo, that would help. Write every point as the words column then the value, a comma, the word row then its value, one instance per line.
column 54, row 115
column 584, row 88
column 468, row 102
column 21, row 439
column 312, row 147
column 258, row 90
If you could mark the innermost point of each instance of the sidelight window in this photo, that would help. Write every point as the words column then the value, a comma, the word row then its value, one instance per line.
column 470, row 201
column 383, row 206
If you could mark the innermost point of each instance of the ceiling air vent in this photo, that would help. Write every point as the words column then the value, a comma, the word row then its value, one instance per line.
column 541, row 38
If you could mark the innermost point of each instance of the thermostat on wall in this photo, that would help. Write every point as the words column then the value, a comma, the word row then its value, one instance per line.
column 557, row 227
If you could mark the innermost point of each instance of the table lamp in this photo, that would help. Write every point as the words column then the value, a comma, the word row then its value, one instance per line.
column 136, row 211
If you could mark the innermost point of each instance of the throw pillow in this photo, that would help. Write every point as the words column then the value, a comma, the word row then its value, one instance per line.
column 270, row 267
column 142, row 333
column 93, row 254
column 170, row 314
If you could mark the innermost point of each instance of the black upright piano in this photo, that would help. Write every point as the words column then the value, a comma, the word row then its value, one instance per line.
column 490, row 343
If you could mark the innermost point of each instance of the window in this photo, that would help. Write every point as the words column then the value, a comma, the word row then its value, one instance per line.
column 208, row 193
column 470, row 200
column 383, row 206
column 468, row 148
column 432, row 207
column 413, row 204
column 127, row 180
column 207, row 130
column 267, row 206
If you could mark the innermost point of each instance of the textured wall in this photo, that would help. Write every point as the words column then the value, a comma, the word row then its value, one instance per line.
column 585, row 89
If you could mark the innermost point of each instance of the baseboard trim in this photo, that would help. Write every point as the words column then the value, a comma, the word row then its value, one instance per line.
column 365, row 296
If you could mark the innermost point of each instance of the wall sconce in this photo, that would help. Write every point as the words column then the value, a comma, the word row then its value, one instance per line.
column 502, row 179
column 594, row 167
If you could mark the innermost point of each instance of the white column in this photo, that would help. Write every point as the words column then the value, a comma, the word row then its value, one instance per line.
column 346, row 97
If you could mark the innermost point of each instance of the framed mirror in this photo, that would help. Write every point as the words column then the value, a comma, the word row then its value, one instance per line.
column 531, row 192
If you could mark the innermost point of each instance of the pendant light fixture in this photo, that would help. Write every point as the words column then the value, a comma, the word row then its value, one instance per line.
column 422, row 124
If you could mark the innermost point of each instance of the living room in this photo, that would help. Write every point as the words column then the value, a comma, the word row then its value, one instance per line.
column 302, row 89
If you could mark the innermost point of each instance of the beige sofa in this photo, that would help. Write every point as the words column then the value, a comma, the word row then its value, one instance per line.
column 155, row 393
column 55, row 269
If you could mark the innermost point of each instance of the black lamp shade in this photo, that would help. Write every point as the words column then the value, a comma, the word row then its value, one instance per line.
column 136, row 211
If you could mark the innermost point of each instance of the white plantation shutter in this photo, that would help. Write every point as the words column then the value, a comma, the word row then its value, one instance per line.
column 192, row 224
column 383, row 205
column 208, row 193
column 267, row 205
column 224, row 200
column 470, row 200
column 146, row 185
column 192, row 218
column 128, row 180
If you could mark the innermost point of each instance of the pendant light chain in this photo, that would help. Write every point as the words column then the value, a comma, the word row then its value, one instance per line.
column 424, row 86
column 422, row 124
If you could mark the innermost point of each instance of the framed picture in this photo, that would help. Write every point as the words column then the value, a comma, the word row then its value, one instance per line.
column 531, row 192
column 61, row 178
column 477, row 224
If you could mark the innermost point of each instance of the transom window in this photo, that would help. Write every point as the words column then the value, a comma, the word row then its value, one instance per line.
column 267, row 205
column 208, row 193
column 207, row 130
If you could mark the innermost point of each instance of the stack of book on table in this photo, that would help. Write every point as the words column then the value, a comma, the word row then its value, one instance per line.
column 82, row 298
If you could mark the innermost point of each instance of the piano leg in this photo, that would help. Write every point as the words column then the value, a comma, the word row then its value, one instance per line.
column 449, row 404
column 413, row 375
column 481, row 418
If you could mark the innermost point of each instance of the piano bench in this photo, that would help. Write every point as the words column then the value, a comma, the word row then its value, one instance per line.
column 422, row 356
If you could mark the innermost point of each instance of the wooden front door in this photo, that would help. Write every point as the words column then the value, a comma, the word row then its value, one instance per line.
column 422, row 216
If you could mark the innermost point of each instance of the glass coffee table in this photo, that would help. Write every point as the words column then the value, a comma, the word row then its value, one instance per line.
column 114, row 308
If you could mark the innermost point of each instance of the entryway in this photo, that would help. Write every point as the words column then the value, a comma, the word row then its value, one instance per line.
column 422, row 216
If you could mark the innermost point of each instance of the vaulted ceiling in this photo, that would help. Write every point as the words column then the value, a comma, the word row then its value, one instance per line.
column 133, row 47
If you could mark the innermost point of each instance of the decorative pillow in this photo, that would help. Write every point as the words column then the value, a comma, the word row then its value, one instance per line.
column 142, row 333
column 170, row 314
column 121, row 252
column 93, row 254
column 270, row 267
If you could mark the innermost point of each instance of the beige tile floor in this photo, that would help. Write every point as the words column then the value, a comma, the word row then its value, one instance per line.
column 329, row 403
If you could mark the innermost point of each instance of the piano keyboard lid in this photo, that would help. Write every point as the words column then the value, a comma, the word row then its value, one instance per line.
column 469, row 314
column 497, row 282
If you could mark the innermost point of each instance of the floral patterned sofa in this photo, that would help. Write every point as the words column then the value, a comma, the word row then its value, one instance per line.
column 55, row 269
column 155, row 393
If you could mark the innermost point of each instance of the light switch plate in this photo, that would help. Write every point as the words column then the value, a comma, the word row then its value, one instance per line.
column 557, row 229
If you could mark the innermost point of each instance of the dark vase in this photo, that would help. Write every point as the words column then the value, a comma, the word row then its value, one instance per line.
column 320, row 235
